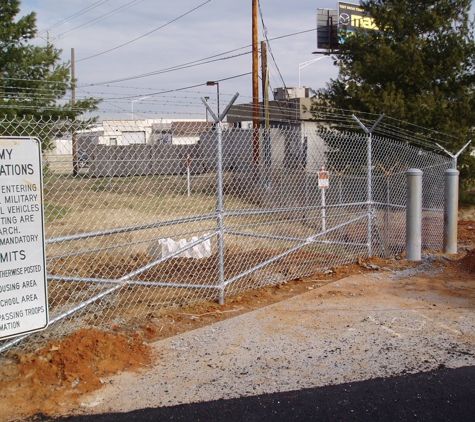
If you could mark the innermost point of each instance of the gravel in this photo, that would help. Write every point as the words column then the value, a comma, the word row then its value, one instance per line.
column 362, row 327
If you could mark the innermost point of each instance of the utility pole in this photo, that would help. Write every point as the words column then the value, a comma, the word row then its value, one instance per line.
column 73, row 104
column 265, row 102
column 255, row 83
column 265, row 84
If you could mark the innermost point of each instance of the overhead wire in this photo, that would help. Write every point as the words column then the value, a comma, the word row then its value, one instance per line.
column 177, row 67
column 192, row 86
column 174, row 68
column 144, row 35
column 264, row 31
column 269, row 47
column 99, row 18
column 196, row 61
column 75, row 15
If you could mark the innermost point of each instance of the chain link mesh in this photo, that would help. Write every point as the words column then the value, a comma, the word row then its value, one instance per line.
column 134, row 222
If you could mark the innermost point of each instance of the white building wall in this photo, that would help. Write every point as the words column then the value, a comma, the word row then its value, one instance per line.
column 127, row 132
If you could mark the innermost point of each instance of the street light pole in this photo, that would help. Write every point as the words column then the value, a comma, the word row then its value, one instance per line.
column 206, row 99
column 213, row 83
column 135, row 101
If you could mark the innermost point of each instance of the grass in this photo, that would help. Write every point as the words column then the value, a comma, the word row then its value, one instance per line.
column 55, row 212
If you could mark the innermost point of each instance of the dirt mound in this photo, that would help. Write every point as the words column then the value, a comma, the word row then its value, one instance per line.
column 468, row 261
column 61, row 372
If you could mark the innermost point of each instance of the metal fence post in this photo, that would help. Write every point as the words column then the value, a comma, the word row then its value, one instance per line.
column 388, row 216
column 220, row 213
column 454, row 156
column 451, row 193
column 414, row 215
column 369, row 197
column 370, row 179
column 220, row 209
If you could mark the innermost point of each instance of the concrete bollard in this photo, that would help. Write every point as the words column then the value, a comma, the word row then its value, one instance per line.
column 451, row 197
column 414, row 215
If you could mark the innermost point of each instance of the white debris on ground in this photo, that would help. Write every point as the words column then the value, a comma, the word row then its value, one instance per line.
column 164, row 247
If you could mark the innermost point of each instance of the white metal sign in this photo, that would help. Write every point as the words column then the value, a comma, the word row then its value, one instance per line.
column 23, row 289
column 323, row 179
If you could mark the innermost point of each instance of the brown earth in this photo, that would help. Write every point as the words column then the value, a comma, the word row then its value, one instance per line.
column 56, row 377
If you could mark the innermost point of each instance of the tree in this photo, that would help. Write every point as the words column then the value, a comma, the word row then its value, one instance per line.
column 419, row 67
column 33, row 82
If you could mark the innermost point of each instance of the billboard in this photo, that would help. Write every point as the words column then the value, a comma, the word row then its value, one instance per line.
column 327, row 29
column 352, row 17
column 332, row 22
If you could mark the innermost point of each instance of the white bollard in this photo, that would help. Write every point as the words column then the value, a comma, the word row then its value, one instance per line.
column 414, row 215
column 451, row 197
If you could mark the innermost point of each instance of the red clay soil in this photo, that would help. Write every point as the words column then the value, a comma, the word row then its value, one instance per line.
column 468, row 262
column 466, row 233
column 64, row 370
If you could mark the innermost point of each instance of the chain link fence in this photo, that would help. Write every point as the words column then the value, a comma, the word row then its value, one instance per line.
column 143, row 215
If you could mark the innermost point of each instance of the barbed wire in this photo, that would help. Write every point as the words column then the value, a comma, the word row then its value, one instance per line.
column 286, row 112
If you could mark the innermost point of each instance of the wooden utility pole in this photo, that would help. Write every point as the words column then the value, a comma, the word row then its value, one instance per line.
column 265, row 84
column 265, row 103
column 73, row 104
column 255, row 83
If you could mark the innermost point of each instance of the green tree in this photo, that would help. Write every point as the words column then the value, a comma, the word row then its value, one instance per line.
column 33, row 81
column 419, row 67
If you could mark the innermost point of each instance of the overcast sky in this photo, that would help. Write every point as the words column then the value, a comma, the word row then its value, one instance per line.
column 213, row 28
column 179, row 32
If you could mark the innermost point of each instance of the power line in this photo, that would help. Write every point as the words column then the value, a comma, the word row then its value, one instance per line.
column 269, row 46
column 178, row 67
column 75, row 15
column 148, row 33
column 188, row 87
column 172, row 69
column 99, row 18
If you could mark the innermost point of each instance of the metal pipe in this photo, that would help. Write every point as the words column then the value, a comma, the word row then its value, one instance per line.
column 308, row 241
column 440, row 210
column 292, row 239
column 122, row 245
column 142, row 283
column 369, row 132
column 188, row 162
column 239, row 213
column 388, row 217
column 451, row 193
column 369, row 195
column 220, row 214
column 130, row 229
column 165, row 258
column 414, row 215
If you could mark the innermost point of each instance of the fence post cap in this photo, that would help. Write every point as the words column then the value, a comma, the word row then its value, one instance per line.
column 414, row 172
column 451, row 172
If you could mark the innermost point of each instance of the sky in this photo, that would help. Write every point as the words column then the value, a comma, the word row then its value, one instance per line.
column 161, row 34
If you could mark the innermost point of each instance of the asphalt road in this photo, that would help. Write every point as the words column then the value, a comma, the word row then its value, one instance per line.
column 441, row 395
